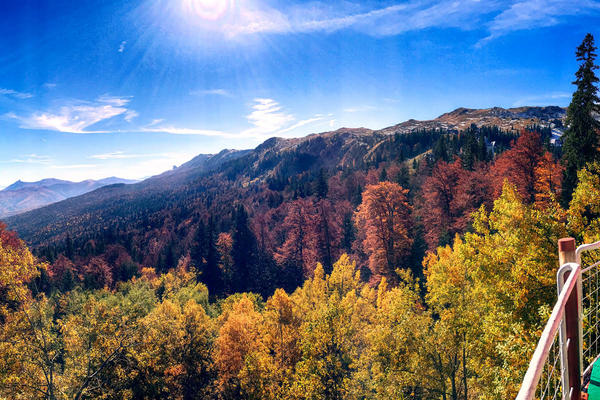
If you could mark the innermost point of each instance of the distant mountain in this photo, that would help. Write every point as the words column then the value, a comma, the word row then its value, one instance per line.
column 164, row 206
column 507, row 119
column 25, row 196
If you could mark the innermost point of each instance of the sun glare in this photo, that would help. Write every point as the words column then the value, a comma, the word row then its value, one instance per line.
column 208, row 9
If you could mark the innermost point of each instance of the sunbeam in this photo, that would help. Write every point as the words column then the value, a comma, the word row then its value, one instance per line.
column 211, row 10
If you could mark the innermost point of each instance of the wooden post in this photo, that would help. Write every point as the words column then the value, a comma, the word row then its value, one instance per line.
column 566, row 254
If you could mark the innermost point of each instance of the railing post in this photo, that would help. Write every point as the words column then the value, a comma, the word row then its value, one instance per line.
column 570, row 332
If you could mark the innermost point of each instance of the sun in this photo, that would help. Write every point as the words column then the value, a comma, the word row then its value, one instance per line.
column 208, row 9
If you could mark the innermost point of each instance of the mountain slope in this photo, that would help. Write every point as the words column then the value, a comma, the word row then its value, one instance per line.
column 511, row 119
column 24, row 196
column 212, row 184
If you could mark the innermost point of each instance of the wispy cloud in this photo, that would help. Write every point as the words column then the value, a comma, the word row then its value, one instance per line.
column 267, row 117
column 31, row 159
column 301, row 123
column 15, row 94
column 74, row 166
column 121, row 155
column 186, row 131
column 359, row 109
column 115, row 155
column 78, row 116
column 122, row 46
column 130, row 115
column 384, row 21
column 529, row 14
column 211, row 92
column 498, row 17
column 542, row 99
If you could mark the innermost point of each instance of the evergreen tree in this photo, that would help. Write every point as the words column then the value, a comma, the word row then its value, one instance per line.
column 580, row 141
column 383, row 176
column 243, row 252
column 212, row 275
column 440, row 150
column 321, row 187
column 197, row 249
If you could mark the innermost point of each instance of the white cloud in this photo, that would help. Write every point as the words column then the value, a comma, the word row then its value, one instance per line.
column 114, row 101
column 74, row 166
column 121, row 155
column 15, row 94
column 384, row 21
column 114, row 155
column 130, row 115
column 156, row 121
column 78, row 116
column 529, row 14
column 498, row 17
column 542, row 99
column 359, row 109
column 122, row 46
column 267, row 117
column 187, row 131
column 209, row 92
column 32, row 159
column 302, row 123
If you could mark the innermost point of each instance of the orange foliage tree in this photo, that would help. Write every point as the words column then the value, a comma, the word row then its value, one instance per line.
column 548, row 180
column 384, row 217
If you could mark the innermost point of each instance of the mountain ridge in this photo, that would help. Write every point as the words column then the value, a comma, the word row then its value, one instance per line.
column 23, row 196
column 510, row 119
column 274, row 164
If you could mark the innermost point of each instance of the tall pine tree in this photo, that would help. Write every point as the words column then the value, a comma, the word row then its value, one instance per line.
column 244, row 253
column 580, row 141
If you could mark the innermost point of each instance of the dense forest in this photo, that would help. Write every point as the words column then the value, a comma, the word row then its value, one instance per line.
column 347, row 265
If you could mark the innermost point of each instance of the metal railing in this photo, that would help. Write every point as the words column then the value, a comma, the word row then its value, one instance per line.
column 543, row 366
column 572, row 333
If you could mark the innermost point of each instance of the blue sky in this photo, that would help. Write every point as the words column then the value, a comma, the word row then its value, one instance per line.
column 96, row 88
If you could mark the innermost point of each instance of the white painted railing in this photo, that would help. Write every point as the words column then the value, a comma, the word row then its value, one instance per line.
column 572, row 333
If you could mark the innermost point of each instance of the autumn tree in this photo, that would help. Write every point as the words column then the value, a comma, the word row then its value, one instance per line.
column 174, row 357
column 18, row 267
column 518, row 165
column 392, row 365
column 384, row 216
column 548, row 181
column 336, row 310
column 239, row 340
column 474, row 280
column 281, row 339
column 437, row 208
column 584, row 210
column 298, row 251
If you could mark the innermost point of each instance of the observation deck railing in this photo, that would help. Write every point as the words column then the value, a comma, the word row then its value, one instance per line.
column 569, row 344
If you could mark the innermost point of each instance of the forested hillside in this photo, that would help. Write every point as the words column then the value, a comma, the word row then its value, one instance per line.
column 282, row 207
column 352, row 264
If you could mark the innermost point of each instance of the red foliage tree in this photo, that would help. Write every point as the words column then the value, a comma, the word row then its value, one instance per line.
column 384, row 217
column 518, row 165
column 450, row 195
column 437, row 208
column 299, row 247
column 548, row 180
